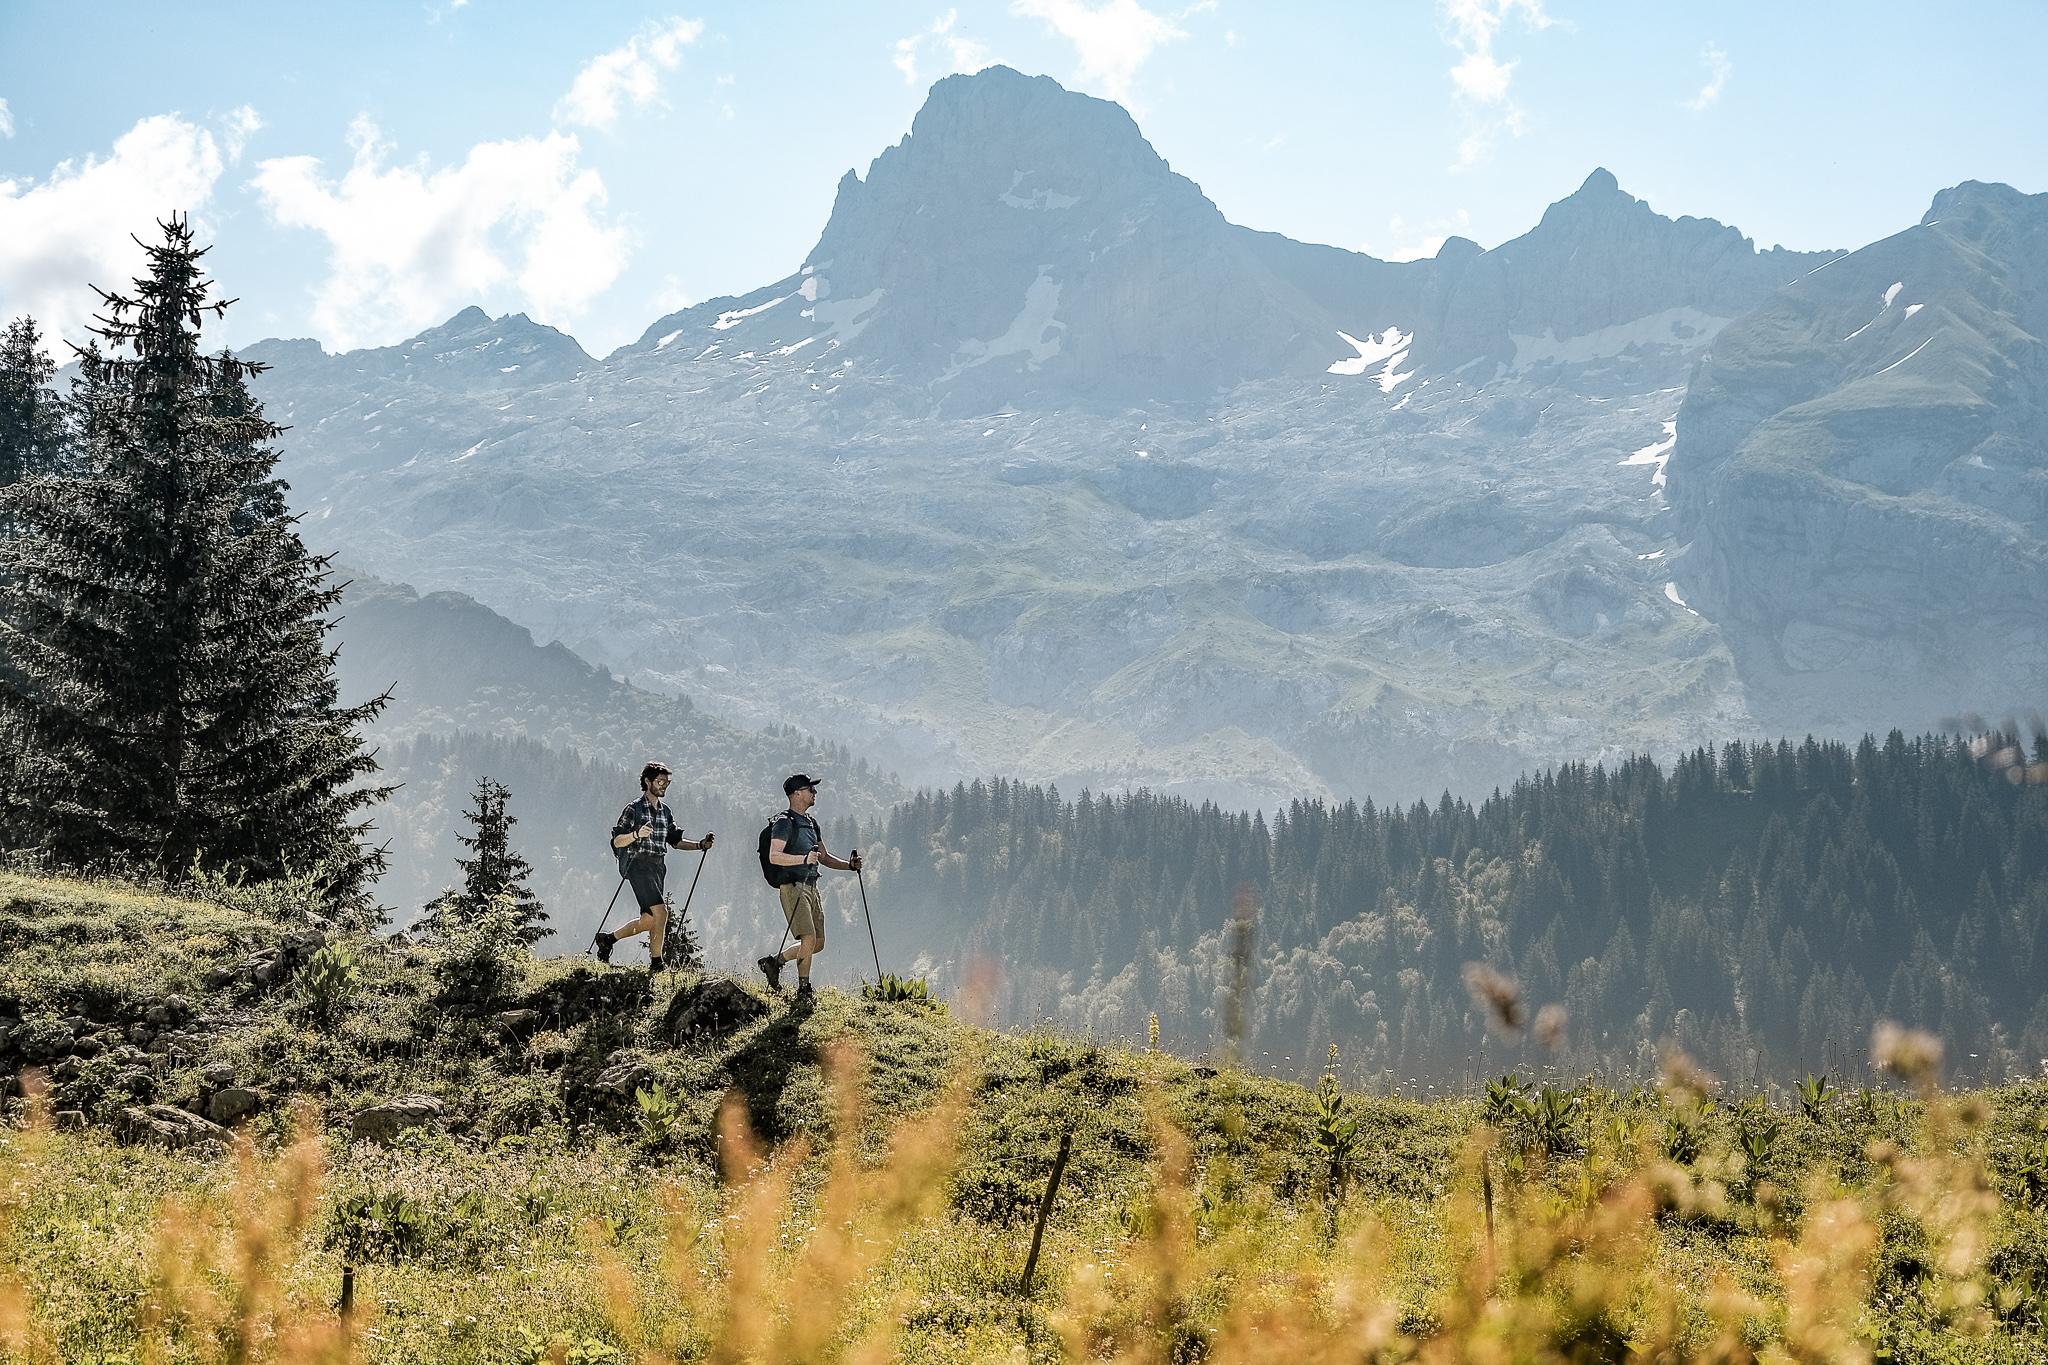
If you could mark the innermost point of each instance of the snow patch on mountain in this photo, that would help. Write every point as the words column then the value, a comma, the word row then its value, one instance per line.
column 1029, row 333
column 844, row 319
column 1385, row 351
column 1657, row 453
column 729, row 320
column 1906, row 357
column 1038, row 199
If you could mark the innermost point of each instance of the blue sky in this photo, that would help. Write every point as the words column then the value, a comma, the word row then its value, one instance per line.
column 368, row 169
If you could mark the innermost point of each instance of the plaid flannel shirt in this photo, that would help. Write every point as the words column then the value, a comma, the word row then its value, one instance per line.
column 664, row 831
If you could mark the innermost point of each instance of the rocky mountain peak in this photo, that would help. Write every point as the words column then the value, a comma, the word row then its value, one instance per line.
column 1021, row 155
column 1975, row 201
column 1599, row 185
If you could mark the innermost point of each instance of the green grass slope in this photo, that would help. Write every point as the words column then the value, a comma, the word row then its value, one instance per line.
column 577, row 1174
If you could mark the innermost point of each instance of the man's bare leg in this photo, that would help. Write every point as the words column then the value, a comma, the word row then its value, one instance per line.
column 653, row 922
column 801, row 952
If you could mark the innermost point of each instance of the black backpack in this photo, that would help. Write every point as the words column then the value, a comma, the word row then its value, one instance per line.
column 770, row 873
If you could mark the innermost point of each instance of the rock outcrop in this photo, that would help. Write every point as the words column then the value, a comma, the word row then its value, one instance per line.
column 1861, row 468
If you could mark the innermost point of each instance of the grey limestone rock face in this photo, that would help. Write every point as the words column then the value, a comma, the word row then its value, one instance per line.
column 385, row 1121
column 1862, row 470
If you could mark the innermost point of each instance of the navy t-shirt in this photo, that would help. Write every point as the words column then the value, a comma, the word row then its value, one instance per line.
column 799, row 834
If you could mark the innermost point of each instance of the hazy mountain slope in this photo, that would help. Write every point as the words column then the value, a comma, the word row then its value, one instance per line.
column 1376, row 528
column 454, row 665
column 1862, row 467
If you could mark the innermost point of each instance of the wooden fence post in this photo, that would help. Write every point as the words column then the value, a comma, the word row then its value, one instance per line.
column 1052, row 1187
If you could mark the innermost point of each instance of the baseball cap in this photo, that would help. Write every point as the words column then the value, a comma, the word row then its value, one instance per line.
column 796, row 782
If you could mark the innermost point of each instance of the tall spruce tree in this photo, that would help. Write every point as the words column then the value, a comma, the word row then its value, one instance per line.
column 32, row 423
column 493, row 871
column 172, row 690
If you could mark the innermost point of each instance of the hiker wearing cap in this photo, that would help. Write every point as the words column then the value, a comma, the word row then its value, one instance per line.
column 641, row 838
column 796, row 849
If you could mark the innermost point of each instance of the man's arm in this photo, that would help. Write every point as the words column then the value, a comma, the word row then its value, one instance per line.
column 676, row 840
column 779, row 854
column 626, row 830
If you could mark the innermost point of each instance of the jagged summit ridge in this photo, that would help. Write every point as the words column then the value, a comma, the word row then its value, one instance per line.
column 1025, row 243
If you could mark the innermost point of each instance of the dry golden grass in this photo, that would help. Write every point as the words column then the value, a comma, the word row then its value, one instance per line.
column 808, row 1254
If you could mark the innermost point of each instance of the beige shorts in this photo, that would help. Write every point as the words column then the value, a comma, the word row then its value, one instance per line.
column 804, row 910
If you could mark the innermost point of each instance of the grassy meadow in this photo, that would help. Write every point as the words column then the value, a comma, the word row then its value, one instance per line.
column 717, row 1175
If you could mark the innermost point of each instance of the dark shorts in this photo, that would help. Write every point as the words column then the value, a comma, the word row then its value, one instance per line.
column 649, row 877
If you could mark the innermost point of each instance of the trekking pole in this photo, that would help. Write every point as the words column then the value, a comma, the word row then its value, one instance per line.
column 608, row 907
column 861, row 877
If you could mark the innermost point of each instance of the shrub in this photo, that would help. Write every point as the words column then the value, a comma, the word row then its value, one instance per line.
column 484, row 958
column 659, row 1119
column 328, row 981
column 1814, row 1097
column 893, row 989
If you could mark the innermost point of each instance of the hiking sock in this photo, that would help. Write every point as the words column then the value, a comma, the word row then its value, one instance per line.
column 603, row 942
column 654, row 964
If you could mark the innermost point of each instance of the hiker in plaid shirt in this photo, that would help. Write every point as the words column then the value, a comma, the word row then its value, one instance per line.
column 642, row 836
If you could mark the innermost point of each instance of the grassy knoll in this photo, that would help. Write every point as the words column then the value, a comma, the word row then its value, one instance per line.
column 574, row 1174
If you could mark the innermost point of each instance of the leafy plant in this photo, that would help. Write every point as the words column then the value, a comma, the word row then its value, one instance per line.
column 659, row 1120
column 328, row 981
column 1685, row 1132
column 2033, row 1174
column 1336, row 1133
column 1815, row 1096
column 385, row 1226
column 893, row 989
column 1758, row 1129
column 1507, row 1101
column 1554, row 1120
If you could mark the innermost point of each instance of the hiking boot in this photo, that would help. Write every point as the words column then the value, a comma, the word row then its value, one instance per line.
column 654, row 966
column 771, row 967
column 603, row 943
column 804, row 994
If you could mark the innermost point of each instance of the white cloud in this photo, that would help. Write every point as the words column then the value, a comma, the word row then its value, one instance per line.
column 629, row 74
column 1718, row 68
column 6, row 120
column 1112, row 39
column 238, row 127
column 72, row 230
column 958, row 52
column 1481, row 81
column 1418, row 242
column 518, row 220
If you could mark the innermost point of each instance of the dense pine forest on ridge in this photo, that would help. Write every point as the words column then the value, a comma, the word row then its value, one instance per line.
column 1763, row 906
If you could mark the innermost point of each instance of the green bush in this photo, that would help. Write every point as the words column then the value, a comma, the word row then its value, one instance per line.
column 484, row 958
column 893, row 989
column 328, row 982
